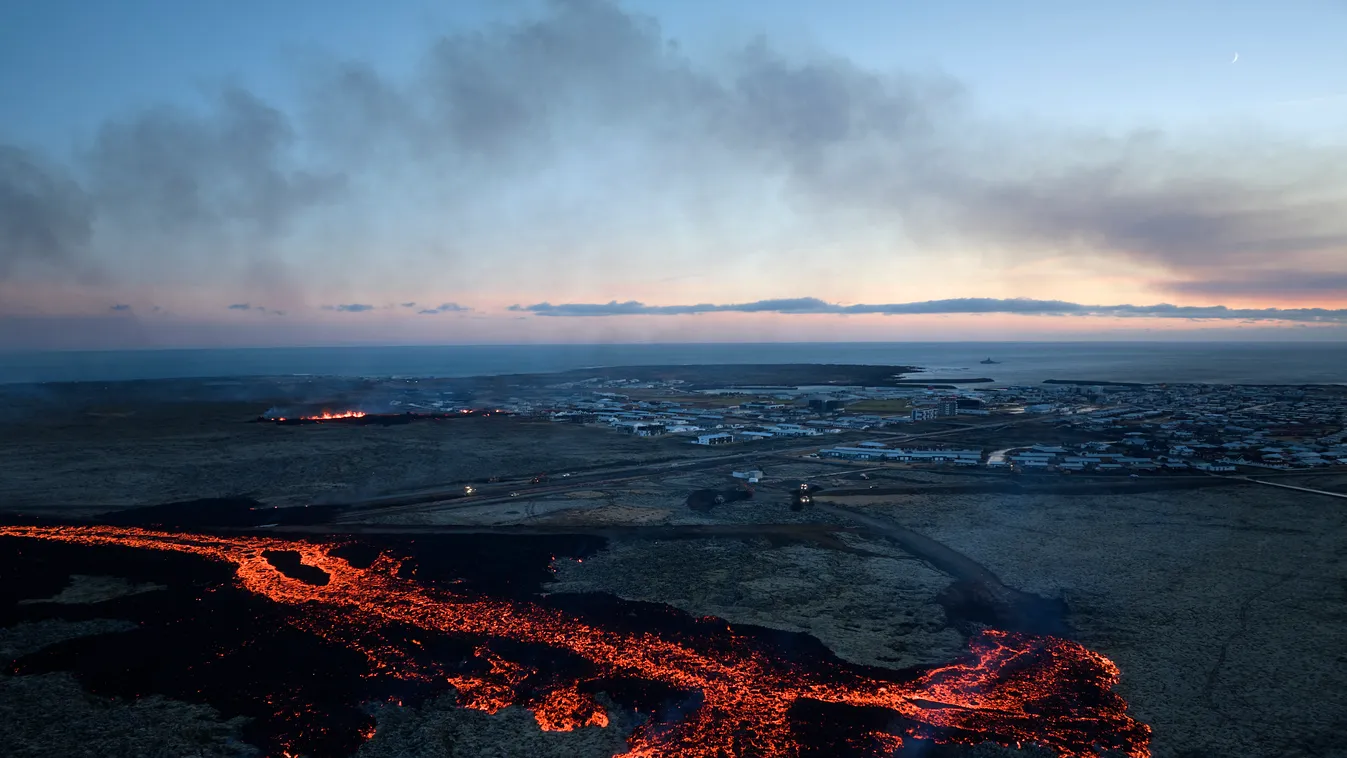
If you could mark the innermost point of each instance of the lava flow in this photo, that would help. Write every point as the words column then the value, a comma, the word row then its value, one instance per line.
column 1011, row 689
column 364, row 418
column 329, row 416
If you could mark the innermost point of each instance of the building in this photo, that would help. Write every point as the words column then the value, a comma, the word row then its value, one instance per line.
column 825, row 404
column 753, row 476
column 853, row 453
column 792, row 430
column 925, row 414
column 938, row 455
column 948, row 406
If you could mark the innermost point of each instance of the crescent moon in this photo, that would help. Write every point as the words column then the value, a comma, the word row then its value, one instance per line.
column 1235, row 59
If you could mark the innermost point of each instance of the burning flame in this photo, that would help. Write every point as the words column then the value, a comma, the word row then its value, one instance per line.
column 1011, row 690
column 328, row 416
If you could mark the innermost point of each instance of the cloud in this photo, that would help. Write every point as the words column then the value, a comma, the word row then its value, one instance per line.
column 258, row 308
column 349, row 308
column 45, row 216
column 445, row 308
column 177, row 171
column 971, row 305
column 831, row 137
column 586, row 113
column 409, row 305
column 121, row 308
column 1261, row 283
column 193, row 191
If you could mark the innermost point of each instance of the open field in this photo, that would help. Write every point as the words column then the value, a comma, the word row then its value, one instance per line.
column 1215, row 597
column 1219, row 605
column 155, row 454
column 1221, row 601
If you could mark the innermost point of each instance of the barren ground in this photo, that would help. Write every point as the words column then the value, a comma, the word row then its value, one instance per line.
column 1226, row 609
column 157, row 454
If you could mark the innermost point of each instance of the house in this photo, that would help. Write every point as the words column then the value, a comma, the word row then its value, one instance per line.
column 720, row 438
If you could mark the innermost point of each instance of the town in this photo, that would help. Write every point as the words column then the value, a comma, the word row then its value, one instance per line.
column 1093, row 427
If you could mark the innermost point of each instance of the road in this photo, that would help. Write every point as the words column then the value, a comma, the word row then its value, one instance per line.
column 1013, row 609
column 454, row 497
column 1310, row 490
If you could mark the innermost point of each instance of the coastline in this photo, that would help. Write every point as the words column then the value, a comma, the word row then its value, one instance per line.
column 1018, row 363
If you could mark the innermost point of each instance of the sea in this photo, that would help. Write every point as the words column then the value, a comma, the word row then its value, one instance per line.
column 1016, row 362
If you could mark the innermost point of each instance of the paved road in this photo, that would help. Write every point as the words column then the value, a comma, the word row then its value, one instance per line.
column 1290, row 487
column 1014, row 609
column 454, row 497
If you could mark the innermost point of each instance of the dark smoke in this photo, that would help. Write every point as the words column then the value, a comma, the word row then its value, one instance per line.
column 45, row 216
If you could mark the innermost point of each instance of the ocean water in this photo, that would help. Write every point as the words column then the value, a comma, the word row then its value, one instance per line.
column 1019, row 362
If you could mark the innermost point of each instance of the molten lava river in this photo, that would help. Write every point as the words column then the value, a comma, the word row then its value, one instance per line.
column 744, row 696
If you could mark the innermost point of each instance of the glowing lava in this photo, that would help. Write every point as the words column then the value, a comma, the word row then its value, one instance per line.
column 1011, row 689
column 327, row 416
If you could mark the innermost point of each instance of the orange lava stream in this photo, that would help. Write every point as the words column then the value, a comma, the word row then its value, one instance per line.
column 1012, row 690
column 327, row 416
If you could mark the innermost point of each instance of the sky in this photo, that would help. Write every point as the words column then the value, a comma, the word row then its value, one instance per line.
column 319, row 173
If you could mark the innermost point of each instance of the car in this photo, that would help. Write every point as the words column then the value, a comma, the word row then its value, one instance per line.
column 514, row 494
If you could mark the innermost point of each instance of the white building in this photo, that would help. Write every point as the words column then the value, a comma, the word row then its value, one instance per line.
column 957, row 457
column 925, row 414
column 719, row 438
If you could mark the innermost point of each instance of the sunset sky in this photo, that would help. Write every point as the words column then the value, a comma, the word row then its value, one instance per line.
column 299, row 173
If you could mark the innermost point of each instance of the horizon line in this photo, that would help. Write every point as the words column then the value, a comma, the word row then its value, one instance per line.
column 395, row 345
